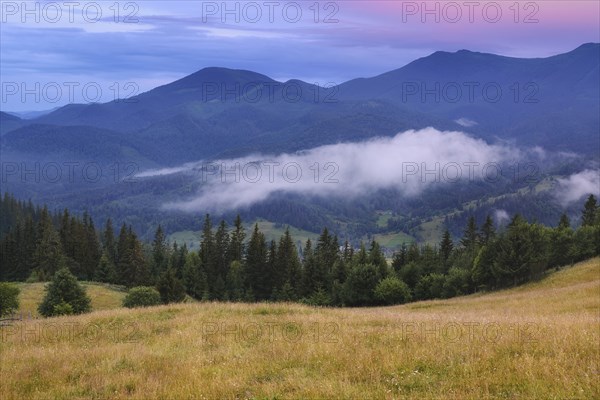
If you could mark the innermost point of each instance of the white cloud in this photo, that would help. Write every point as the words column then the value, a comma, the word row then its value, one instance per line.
column 501, row 217
column 410, row 162
column 578, row 185
column 467, row 123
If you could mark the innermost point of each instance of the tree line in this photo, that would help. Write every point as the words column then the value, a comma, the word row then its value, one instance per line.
column 229, row 266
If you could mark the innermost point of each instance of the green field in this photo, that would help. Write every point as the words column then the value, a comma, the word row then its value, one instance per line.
column 538, row 341
column 104, row 296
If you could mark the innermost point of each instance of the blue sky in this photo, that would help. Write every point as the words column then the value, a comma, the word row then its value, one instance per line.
column 53, row 53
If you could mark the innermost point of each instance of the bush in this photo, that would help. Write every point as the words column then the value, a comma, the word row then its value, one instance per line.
column 360, row 284
column 319, row 298
column 392, row 290
column 62, row 309
column 64, row 295
column 9, row 298
column 142, row 296
column 430, row 287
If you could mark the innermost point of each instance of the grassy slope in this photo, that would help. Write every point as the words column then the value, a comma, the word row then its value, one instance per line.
column 104, row 297
column 539, row 341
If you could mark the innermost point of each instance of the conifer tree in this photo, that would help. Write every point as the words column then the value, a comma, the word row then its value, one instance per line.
column 160, row 257
column 48, row 254
column 446, row 247
column 64, row 295
column 171, row 288
column 588, row 217
column 236, row 245
column 257, row 270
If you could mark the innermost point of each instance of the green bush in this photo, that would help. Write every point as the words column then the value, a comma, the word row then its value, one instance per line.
column 392, row 290
column 9, row 298
column 64, row 295
column 142, row 296
column 319, row 298
column 62, row 309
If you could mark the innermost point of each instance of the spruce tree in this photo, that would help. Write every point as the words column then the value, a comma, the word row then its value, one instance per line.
column 108, row 241
column 207, row 255
column 222, row 257
column 469, row 239
column 48, row 254
column 487, row 231
column 257, row 271
column 446, row 247
column 106, row 271
column 159, row 252
column 236, row 245
column 64, row 295
column 588, row 217
column 171, row 288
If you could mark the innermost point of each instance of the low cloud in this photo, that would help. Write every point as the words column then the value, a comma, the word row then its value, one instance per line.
column 410, row 162
column 501, row 217
column 577, row 186
column 467, row 123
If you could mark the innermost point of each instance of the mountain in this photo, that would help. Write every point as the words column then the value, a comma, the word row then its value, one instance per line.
column 32, row 114
column 219, row 113
column 9, row 122
column 552, row 102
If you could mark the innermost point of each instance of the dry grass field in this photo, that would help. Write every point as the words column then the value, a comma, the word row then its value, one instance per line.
column 539, row 341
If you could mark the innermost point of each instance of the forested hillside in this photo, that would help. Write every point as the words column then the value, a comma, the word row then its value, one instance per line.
column 229, row 266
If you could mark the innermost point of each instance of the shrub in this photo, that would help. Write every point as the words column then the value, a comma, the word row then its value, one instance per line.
column 360, row 284
column 9, row 298
column 319, row 298
column 64, row 295
column 392, row 290
column 142, row 296
column 62, row 309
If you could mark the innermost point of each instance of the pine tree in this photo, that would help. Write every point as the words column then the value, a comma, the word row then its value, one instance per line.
column 108, row 241
column 137, row 263
column 313, row 276
column 377, row 258
column 207, row 255
column 48, row 254
column 348, row 252
column 469, row 239
column 588, row 217
column 258, row 273
column 288, row 263
column 562, row 243
column 327, row 253
column 446, row 247
column 106, row 271
column 171, row 288
column 236, row 245
column 399, row 258
column 91, row 246
column 159, row 252
column 236, row 281
column 64, row 295
column 194, row 277
column 487, row 231
column 222, row 260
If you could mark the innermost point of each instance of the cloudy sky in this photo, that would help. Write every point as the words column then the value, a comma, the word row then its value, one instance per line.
column 53, row 53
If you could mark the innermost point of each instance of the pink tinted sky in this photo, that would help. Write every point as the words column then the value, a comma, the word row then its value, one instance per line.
column 540, row 28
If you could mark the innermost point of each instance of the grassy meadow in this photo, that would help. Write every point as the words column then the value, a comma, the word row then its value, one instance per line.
column 104, row 297
column 538, row 341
